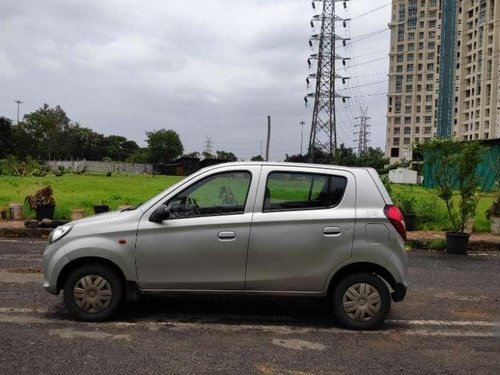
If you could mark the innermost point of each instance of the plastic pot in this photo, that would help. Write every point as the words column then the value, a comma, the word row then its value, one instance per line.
column 45, row 212
column 457, row 243
column 100, row 209
column 410, row 222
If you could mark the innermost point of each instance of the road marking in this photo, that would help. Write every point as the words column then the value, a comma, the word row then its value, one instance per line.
column 25, row 241
column 20, row 278
column 441, row 322
column 23, row 310
column 70, row 333
column 298, row 344
column 24, row 319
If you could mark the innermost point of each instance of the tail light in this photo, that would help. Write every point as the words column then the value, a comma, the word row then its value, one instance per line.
column 396, row 218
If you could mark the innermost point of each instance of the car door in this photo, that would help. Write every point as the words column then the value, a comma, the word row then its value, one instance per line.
column 203, row 244
column 302, row 227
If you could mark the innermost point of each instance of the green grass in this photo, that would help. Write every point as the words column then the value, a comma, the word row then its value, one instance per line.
column 431, row 210
column 85, row 191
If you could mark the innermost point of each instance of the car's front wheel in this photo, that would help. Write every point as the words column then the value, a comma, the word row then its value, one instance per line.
column 93, row 292
column 361, row 301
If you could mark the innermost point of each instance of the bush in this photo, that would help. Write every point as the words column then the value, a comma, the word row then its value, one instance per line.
column 11, row 166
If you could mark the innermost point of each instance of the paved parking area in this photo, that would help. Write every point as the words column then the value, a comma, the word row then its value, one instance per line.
column 447, row 324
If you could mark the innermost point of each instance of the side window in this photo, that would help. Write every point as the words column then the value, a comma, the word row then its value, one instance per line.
column 219, row 194
column 299, row 191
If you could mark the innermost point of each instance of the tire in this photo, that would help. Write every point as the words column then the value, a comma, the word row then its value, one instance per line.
column 93, row 292
column 361, row 301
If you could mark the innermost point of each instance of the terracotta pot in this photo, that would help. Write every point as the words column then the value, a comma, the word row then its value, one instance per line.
column 77, row 213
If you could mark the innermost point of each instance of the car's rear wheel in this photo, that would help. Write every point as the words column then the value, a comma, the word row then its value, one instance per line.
column 93, row 292
column 361, row 301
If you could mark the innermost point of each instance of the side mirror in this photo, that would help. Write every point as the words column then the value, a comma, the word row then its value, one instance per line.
column 160, row 214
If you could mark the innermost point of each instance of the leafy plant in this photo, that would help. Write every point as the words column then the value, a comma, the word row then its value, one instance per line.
column 494, row 210
column 455, row 165
column 227, row 196
column 43, row 197
column 406, row 203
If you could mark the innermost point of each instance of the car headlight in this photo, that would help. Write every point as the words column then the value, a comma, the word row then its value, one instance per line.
column 59, row 233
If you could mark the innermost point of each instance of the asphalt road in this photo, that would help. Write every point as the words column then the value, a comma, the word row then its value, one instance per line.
column 446, row 325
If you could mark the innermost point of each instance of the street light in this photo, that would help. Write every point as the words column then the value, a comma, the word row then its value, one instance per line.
column 301, row 135
column 18, row 103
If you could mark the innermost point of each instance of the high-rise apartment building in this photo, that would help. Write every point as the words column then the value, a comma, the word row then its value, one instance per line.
column 443, row 89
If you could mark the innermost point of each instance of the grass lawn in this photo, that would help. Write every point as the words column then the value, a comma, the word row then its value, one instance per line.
column 431, row 210
column 85, row 191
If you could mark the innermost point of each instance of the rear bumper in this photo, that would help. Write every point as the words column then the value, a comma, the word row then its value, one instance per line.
column 399, row 292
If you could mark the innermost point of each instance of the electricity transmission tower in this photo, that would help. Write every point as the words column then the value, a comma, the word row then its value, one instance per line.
column 363, row 132
column 323, row 135
column 208, row 145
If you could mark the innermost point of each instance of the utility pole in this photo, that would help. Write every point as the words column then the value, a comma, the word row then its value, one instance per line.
column 363, row 132
column 323, row 126
column 268, row 137
column 18, row 102
column 302, row 123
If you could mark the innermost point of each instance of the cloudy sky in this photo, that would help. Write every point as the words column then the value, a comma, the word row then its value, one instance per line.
column 203, row 68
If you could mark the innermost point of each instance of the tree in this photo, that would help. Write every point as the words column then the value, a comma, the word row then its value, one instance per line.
column 43, row 131
column 345, row 156
column 374, row 158
column 224, row 155
column 164, row 145
column 7, row 146
column 454, row 165
column 258, row 158
column 194, row 154
column 117, row 147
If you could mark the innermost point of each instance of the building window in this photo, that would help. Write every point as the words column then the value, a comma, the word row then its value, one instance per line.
column 407, row 122
column 407, row 130
column 406, row 141
column 397, row 120
column 409, row 67
column 429, row 87
column 395, row 142
column 399, row 84
column 397, row 131
column 417, row 130
column 399, row 69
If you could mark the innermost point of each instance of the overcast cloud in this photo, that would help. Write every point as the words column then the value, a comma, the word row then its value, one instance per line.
column 203, row 68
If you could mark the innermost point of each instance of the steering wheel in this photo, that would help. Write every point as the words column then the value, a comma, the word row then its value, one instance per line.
column 193, row 205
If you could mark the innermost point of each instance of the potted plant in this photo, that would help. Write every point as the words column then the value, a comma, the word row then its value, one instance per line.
column 100, row 208
column 493, row 214
column 454, row 165
column 407, row 204
column 43, row 203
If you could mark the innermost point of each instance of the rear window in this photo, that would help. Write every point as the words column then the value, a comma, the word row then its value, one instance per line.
column 302, row 191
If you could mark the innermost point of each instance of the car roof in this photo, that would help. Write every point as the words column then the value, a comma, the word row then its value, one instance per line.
column 286, row 164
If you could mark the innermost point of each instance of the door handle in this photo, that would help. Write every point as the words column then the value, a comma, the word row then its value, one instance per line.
column 332, row 231
column 226, row 235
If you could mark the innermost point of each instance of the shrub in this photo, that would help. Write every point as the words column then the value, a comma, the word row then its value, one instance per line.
column 43, row 197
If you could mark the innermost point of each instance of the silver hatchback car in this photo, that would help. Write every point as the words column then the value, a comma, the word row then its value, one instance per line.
column 256, row 228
